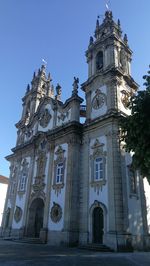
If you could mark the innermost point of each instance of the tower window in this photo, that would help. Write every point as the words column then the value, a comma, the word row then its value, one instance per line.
column 99, row 60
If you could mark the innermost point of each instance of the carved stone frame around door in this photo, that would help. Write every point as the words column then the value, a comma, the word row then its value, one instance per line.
column 97, row 204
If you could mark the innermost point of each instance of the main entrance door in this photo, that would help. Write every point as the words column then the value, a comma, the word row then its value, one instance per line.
column 98, row 225
column 35, row 221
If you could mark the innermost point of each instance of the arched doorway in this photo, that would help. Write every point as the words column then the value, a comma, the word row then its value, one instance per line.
column 98, row 225
column 35, row 221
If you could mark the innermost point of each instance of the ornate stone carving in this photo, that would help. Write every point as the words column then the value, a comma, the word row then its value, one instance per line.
column 125, row 97
column 18, row 214
column 45, row 118
column 99, row 100
column 62, row 116
column 39, row 184
column 98, row 153
column 13, row 182
column 23, row 177
column 56, row 213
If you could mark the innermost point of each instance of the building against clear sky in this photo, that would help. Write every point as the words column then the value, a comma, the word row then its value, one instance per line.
column 3, row 190
column 68, row 23
column 72, row 183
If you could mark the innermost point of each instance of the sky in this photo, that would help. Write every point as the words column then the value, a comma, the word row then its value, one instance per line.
column 59, row 32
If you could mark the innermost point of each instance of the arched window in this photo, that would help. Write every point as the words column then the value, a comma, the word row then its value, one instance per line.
column 99, row 60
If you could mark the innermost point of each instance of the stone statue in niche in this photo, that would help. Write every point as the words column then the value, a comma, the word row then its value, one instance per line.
column 45, row 118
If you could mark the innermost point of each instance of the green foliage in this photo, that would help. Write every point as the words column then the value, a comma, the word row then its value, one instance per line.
column 135, row 129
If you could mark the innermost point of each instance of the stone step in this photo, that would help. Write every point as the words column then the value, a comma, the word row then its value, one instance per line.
column 97, row 247
column 29, row 240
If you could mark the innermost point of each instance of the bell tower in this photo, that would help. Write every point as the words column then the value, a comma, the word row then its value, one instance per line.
column 109, row 85
column 40, row 88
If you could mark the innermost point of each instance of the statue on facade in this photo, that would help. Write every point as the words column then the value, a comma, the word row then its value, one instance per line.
column 75, row 86
column 58, row 92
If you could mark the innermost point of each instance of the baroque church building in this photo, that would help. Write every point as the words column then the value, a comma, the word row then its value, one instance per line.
column 71, row 183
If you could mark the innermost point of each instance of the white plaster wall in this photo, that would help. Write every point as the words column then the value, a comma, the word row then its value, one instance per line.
column 60, row 122
column 101, row 111
column 147, row 196
column 60, row 199
column 21, row 199
column 3, row 191
column 50, row 124
column 134, row 204
column 20, row 202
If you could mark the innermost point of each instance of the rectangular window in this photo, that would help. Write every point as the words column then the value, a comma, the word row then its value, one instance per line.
column 22, row 182
column 59, row 173
column 98, row 169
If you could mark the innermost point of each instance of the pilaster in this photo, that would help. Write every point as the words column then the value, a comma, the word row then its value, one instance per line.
column 71, row 212
column 116, row 217
column 84, row 191
column 44, row 230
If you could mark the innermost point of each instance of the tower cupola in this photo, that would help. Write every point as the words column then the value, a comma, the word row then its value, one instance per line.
column 107, row 49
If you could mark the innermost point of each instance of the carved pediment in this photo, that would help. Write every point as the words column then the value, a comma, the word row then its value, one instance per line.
column 98, row 149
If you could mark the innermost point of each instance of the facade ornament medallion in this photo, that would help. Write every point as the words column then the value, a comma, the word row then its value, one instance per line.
column 99, row 100
column 125, row 97
column 45, row 118
column 18, row 214
column 56, row 213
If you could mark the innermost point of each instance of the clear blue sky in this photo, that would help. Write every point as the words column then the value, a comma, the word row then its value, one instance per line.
column 58, row 31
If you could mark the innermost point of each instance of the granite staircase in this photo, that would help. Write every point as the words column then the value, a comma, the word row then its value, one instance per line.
column 96, row 247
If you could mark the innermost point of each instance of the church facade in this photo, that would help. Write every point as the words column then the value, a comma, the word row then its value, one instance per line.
column 71, row 183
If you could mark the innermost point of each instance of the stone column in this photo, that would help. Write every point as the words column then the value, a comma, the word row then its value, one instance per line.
column 28, row 193
column 115, row 194
column 84, row 191
column 44, row 231
column 71, row 211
